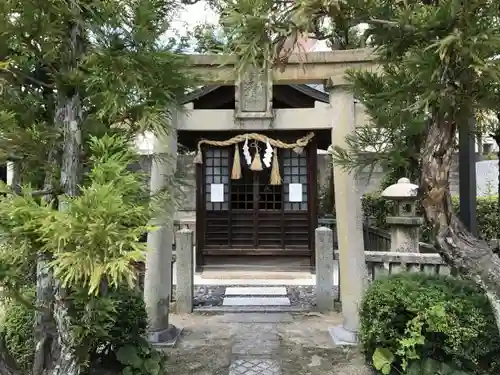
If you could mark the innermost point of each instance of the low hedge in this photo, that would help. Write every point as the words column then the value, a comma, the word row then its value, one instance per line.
column 414, row 315
column 488, row 220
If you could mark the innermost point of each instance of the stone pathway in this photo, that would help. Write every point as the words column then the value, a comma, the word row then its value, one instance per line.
column 256, row 345
column 261, row 344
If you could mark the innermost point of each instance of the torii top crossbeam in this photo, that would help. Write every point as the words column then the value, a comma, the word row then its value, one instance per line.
column 311, row 67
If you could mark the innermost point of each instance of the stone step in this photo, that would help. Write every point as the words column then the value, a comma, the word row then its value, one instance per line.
column 254, row 275
column 256, row 291
column 250, row 309
column 256, row 301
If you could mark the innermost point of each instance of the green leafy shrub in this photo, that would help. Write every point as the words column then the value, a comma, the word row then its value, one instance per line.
column 415, row 316
column 17, row 329
column 121, row 345
column 141, row 359
column 488, row 220
column 93, row 245
column 118, row 319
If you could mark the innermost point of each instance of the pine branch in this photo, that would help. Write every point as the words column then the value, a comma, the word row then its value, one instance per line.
column 17, row 73
column 392, row 24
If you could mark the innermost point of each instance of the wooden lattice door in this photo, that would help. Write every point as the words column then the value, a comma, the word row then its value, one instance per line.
column 216, row 211
column 255, row 212
column 254, row 217
column 296, row 225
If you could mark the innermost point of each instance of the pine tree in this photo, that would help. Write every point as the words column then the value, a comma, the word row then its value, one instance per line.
column 448, row 50
column 70, row 70
column 395, row 136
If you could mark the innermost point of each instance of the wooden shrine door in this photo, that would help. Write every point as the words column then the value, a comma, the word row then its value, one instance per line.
column 248, row 216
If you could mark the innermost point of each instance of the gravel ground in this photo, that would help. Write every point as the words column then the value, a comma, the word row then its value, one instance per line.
column 304, row 296
column 206, row 295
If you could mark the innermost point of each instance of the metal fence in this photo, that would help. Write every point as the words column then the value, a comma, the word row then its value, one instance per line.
column 375, row 239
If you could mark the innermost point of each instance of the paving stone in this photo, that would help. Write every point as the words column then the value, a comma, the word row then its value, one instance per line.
column 256, row 291
column 259, row 318
column 255, row 348
column 264, row 331
column 255, row 367
column 256, row 301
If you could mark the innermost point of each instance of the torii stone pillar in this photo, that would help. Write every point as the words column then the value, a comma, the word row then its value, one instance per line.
column 157, row 280
column 349, row 221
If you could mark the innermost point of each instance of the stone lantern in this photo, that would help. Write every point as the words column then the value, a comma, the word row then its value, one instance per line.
column 404, row 224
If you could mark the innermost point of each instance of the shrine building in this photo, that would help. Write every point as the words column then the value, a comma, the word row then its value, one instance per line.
column 256, row 141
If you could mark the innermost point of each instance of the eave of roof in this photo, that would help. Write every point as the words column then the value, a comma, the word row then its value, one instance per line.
column 312, row 92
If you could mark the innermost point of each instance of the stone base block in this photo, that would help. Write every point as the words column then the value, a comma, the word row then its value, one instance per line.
column 343, row 337
column 165, row 338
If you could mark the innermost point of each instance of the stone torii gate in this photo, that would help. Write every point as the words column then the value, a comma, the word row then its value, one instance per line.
column 253, row 112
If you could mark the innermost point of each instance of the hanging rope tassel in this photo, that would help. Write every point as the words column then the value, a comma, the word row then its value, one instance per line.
column 256, row 163
column 275, row 170
column 298, row 149
column 198, row 159
column 236, row 172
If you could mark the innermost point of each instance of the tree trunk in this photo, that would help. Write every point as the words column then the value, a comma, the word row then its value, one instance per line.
column 70, row 112
column 45, row 332
column 460, row 249
column 7, row 363
column 69, row 116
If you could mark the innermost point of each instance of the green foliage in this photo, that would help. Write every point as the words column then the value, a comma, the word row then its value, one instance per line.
column 408, row 317
column 141, row 359
column 18, row 330
column 103, row 68
column 113, row 333
column 115, row 318
column 395, row 137
column 209, row 39
column 126, row 77
column 97, row 237
column 383, row 360
column 488, row 221
column 438, row 65
column 116, row 324
column 93, row 245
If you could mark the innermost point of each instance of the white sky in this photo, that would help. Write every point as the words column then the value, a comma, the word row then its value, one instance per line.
column 200, row 13
column 193, row 15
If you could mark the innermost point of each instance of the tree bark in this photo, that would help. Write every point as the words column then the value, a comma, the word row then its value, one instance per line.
column 70, row 112
column 45, row 332
column 69, row 115
column 8, row 365
column 460, row 249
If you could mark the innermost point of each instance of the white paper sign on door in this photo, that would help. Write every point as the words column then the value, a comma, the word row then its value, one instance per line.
column 295, row 192
column 217, row 193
